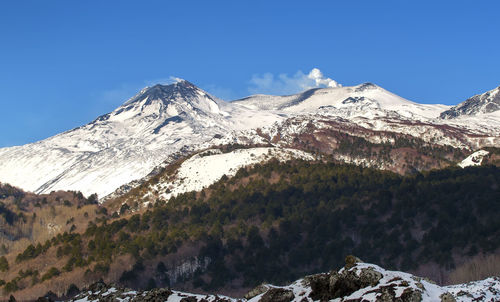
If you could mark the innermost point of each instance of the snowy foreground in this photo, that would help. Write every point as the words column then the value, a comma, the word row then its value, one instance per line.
column 355, row 282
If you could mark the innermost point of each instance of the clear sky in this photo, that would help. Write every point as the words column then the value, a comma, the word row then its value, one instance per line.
column 63, row 63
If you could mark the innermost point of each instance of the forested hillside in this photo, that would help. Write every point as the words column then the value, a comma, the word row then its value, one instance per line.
column 276, row 222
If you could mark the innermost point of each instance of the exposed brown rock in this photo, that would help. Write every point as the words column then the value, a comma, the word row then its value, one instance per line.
column 256, row 291
column 277, row 295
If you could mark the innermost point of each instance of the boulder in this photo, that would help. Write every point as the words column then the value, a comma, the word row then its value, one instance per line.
column 320, row 286
column 447, row 297
column 156, row 295
column 369, row 276
column 411, row 295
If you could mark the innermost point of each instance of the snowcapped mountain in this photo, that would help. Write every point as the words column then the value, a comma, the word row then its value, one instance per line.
column 165, row 122
column 485, row 103
column 129, row 142
column 371, row 112
column 378, row 109
column 366, row 100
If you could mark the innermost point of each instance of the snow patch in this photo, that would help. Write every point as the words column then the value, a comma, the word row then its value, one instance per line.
column 206, row 168
column 475, row 159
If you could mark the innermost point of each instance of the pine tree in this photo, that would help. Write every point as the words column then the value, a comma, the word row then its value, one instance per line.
column 4, row 265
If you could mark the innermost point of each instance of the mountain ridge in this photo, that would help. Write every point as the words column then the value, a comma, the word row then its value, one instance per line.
column 134, row 139
column 139, row 134
column 487, row 102
column 314, row 98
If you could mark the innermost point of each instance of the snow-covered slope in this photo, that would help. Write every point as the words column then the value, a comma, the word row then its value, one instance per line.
column 367, row 100
column 375, row 108
column 129, row 142
column 357, row 282
column 487, row 102
column 482, row 290
column 165, row 122
column 207, row 167
column 475, row 159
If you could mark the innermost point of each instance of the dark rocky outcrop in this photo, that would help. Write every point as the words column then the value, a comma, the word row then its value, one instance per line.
column 343, row 283
column 481, row 103
column 102, row 292
column 277, row 295
column 447, row 297
column 257, row 291
column 355, row 282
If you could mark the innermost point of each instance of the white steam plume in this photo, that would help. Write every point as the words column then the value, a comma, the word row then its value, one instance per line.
column 283, row 84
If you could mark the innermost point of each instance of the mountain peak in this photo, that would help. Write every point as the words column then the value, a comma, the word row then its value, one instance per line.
column 180, row 88
column 165, row 104
column 180, row 85
column 481, row 103
column 177, row 82
column 365, row 86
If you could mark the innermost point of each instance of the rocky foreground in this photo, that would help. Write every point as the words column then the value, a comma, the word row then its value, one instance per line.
column 356, row 282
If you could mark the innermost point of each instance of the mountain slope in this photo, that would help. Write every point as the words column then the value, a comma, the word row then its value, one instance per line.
column 206, row 168
column 487, row 102
column 366, row 100
column 277, row 222
column 377, row 110
column 166, row 122
column 127, row 143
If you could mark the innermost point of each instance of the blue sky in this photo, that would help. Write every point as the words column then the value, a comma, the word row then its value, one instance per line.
column 63, row 63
